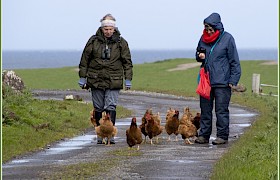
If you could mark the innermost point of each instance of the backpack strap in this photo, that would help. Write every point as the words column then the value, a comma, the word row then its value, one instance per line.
column 119, row 45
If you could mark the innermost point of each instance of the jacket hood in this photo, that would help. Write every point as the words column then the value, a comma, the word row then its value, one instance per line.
column 115, row 37
column 214, row 20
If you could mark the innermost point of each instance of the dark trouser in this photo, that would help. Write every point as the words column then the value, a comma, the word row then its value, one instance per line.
column 222, row 97
column 105, row 100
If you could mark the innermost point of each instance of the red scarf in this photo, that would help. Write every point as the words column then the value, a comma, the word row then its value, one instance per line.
column 208, row 39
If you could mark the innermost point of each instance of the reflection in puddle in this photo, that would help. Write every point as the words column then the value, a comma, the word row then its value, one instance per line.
column 241, row 125
column 123, row 123
column 20, row 161
column 71, row 144
column 181, row 161
column 243, row 115
column 127, row 121
column 61, row 150
column 77, row 141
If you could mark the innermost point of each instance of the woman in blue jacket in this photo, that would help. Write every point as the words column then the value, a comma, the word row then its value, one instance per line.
column 217, row 52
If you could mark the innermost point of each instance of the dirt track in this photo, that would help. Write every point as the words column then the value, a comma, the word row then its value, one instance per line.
column 165, row 160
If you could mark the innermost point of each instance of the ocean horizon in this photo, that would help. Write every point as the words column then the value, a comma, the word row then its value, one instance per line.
column 64, row 58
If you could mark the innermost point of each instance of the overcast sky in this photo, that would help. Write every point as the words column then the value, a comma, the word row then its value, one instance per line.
column 145, row 24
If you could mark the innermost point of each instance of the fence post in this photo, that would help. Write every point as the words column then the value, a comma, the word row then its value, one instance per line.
column 256, row 83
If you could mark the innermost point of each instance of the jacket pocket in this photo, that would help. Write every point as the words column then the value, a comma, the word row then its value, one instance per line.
column 116, row 82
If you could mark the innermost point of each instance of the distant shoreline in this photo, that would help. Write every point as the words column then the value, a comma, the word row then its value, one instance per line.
column 63, row 58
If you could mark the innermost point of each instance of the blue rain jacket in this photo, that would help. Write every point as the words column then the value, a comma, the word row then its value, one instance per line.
column 223, row 63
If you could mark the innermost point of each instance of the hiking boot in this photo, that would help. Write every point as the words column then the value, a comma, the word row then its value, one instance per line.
column 201, row 140
column 99, row 140
column 112, row 140
column 218, row 141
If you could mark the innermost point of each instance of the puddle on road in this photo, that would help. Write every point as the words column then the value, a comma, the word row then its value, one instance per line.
column 241, row 125
column 77, row 141
column 181, row 161
column 60, row 150
column 124, row 123
column 127, row 121
column 20, row 161
column 243, row 115
column 71, row 144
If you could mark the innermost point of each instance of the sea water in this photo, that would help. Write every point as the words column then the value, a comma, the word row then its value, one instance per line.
column 56, row 59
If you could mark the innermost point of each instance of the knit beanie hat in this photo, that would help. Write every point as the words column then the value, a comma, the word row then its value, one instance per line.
column 108, row 20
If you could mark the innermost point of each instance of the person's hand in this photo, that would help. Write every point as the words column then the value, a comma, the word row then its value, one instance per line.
column 201, row 55
column 127, row 84
column 83, row 83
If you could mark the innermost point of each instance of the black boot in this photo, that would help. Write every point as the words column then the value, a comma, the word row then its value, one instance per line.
column 113, row 119
column 98, row 116
column 113, row 116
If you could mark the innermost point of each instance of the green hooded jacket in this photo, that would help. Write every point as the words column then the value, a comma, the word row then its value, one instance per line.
column 106, row 73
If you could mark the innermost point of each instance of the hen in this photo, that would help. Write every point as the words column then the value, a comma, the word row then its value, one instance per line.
column 133, row 134
column 106, row 128
column 196, row 120
column 187, row 116
column 92, row 118
column 93, row 122
column 152, row 127
column 144, row 122
column 186, row 127
column 172, row 123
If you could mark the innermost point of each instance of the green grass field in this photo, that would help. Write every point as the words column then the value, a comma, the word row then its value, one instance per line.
column 253, row 156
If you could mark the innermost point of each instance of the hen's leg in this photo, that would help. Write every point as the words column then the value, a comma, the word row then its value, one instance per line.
column 108, row 140
column 157, row 139
column 188, row 141
column 168, row 138
column 145, row 140
column 104, row 141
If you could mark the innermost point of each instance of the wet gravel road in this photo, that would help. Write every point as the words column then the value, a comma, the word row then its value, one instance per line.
column 164, row 160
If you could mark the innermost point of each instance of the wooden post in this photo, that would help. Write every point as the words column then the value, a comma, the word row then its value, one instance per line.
column 256, row 83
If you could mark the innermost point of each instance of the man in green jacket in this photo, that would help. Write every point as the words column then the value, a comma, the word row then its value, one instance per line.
column 105, row 63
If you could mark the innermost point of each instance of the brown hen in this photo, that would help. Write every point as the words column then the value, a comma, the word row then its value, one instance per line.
column 186, row 127
column 196, row 120
column 133, row 134
column 144, row 122
column 172, row 123
column 106, row 128
column 152, row 128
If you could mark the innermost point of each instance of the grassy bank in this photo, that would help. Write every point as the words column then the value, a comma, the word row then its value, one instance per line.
column 254, row 156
